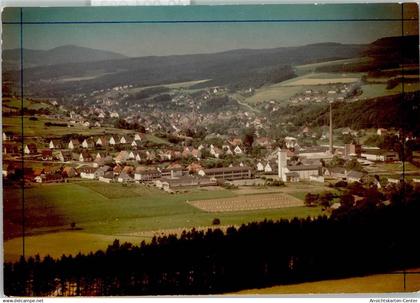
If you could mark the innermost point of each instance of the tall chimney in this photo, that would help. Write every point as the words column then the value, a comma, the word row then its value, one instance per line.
column 331, row 130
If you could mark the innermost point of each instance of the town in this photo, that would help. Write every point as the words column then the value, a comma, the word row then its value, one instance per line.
column 132, row 158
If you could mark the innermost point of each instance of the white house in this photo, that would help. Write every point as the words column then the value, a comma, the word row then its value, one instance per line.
column 123, row 140
column 54, row 144
column 87, row 143
column 87, row 172
column 268, row 168
column 237, row 150
column 73, row 144
column 131, row 155
column 290, row 142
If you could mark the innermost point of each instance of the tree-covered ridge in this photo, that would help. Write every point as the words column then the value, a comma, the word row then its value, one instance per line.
column 389, row 111
column 369, row 238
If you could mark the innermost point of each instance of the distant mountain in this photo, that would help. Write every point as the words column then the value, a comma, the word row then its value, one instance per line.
column 59, row 55
column 235, row 69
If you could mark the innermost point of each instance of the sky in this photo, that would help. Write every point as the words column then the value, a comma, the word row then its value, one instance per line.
column 166, row 37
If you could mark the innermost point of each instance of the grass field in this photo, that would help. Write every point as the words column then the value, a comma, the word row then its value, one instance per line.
column 103, row 212
column 16, row 103
column 392, row 167
column 38, row 129
column 272, row 92
column 381, row 283
column 375, row 90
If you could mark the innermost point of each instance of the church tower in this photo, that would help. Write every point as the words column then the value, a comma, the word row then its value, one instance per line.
column 282, row 164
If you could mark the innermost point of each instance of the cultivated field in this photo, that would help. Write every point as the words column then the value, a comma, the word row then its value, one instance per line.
column 103, row 212
column 381, row 283
column 320, row 81
column 250, row 202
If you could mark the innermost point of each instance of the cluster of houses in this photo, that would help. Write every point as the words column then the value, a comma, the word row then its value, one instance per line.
column 334, row 93
column 124, row 158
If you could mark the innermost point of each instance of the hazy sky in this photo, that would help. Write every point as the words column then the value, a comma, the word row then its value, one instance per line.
column 145, row 39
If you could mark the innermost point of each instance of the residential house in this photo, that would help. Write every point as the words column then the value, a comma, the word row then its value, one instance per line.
column 100, row 172
column 235, row 141
column 135, row 143
column 87, row 172
column 85, row 156
column 196, row 153
column 290, row 142
column 107, row 177
column 268, row 168
column 102, row 141
column 122, row 140
column 138, row 137
column 263, row 141
column 150, row 156
column 100, row 155
column 88, row 143
column 64, row 156
column 111, row 141
column 122, row 156
column 194, row 167
column 238, row 150
column 117, row 169
column 227, row 150
column 55, row 144
column 73, row 143
column 124, row 178
column 30, row 149
column 186, row 152
column 215, row 151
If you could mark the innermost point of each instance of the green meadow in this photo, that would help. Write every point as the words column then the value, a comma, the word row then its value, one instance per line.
column 103, row 212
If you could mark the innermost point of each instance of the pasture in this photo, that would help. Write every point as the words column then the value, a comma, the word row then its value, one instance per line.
column 380, row 283
column 103, row 212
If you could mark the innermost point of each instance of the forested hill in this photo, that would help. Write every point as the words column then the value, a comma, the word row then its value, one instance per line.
column 388, row 52
column 388, row 111
column 236, row 68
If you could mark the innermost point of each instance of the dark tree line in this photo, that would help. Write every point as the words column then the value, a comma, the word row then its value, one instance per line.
column 357, row 241
column 387, row 111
